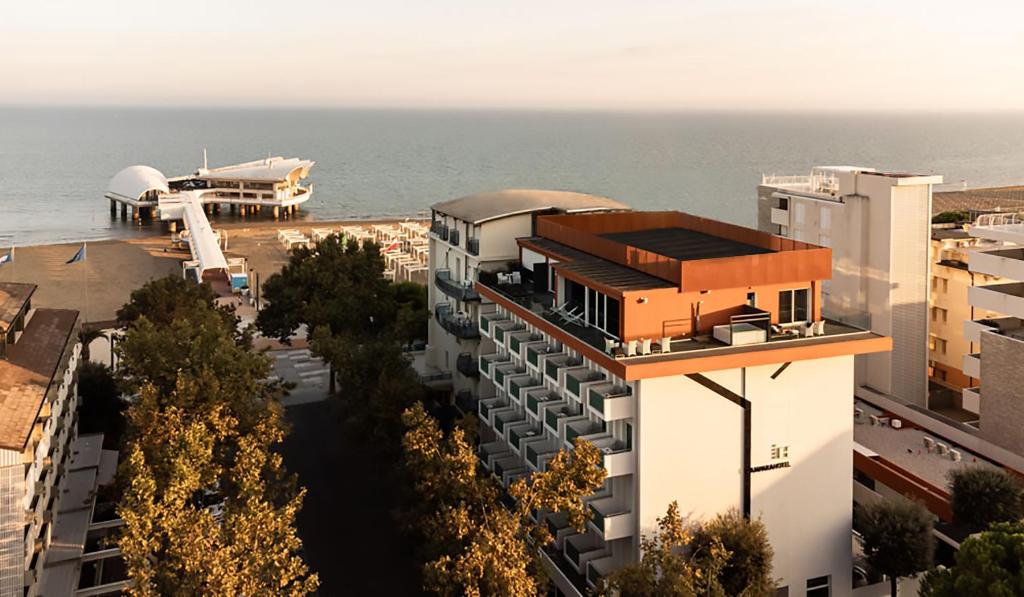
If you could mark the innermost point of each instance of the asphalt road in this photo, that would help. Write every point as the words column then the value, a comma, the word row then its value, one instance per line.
column 346, row 524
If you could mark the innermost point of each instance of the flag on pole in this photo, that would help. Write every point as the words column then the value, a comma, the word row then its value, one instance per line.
column 9, row 257
column 79, row 256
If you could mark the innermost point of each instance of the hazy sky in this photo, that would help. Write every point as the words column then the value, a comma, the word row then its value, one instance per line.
column 629, row 54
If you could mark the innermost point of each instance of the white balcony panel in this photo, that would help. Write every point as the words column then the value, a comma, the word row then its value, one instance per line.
column 973, row 330
column 972, row 365
column 1000, row 227
column 1007, row 299
column 780, row 216
column 1005, row 263
column 619, row 463
column 972, row 400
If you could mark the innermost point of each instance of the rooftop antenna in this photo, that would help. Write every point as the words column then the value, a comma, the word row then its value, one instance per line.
column 205, row 167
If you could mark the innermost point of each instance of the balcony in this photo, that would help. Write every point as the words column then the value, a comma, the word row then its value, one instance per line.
column 1001, row 298
column 971, row 398
column 616, row 457
column 611, row 402
column 503, row 372
column 581, row 428
column 467, row 365
column 535, row 399
column 972, row 365
column 611, row 519
column 516, row 385
column 580, row 549
column 780, row 217
column 473, row 246
column 517, row 340
column 540, row 452
column 506, row 466
column 503, row 329
column 491, row 452
column 598, row 569
column 459, row 325
column 453, row 236
column 534, row 352
column 1011, row 327
column 503, row 420
column 574, row 379
column 487, row 321
column 560, row 415
column 489, row 405
column 487, row 361
column 554, row 363
column 1005, row 263
column 460, row 290
column 519, row 433
column 466, row 402
column 559, row 527
column 439, row 229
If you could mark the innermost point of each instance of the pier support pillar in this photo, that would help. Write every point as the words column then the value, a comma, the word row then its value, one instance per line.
column 135, row 213
column 113, row 207
column 277, row 212
column 124, row 211
column 231, row 208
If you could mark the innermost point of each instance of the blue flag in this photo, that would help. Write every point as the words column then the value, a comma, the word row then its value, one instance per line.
column 79, row 256
column 9, row 257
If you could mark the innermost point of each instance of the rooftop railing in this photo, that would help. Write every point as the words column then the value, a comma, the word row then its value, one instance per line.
column 457, row 289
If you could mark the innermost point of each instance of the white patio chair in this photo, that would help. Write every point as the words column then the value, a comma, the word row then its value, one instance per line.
column 610, row 345
column 645, row 347
column 666, row 344
column 631, row 348
column 819, row 328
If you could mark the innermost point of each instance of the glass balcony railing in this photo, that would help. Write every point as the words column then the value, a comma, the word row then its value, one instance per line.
column 473, row 246
column 453, row 236
column 440, row 229
column 456, row 324
column 551, row 370
column 531, row 455
column 461, row 290
column 467, row 365
column 572, row 553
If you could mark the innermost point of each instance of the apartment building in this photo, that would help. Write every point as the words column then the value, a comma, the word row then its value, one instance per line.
column 38, row 398
column 1001, row 339
column 878, row 226
column 694, row 355
column 478, row 234
column 952, row 247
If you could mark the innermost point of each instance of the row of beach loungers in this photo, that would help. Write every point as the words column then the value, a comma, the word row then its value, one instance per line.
column 405, row 246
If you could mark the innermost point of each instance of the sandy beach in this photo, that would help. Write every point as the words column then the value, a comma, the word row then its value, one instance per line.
column 103, row 282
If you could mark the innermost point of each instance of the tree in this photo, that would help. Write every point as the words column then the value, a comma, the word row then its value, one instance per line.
column 897, row 539
column 951, row 217
column 983, row 495
column 413, row 312
column 174, row 544
column 669, row 566
column 986, row 564
column 748, row 568
column 101, row 409
column 165, row 300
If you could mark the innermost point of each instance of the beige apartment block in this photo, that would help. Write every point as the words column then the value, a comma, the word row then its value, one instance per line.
column 878, row 225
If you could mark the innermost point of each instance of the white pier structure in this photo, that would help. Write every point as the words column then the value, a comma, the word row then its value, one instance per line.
column 248, row 187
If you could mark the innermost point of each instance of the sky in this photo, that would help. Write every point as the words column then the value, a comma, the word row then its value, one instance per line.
column 831, row 55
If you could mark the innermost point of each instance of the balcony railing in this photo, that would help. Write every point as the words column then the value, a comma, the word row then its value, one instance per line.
column 473, row 246
column 440, row 229
column 467, row 365
column 456, row 324
column 573, row 381
column 457, row 289
column 598, row 397
column 453, row 236
column 465, row 401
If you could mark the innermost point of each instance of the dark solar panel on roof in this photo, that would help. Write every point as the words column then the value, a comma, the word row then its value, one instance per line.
column 683, row 244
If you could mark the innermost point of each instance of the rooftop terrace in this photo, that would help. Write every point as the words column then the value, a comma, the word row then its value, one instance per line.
column 684, row 244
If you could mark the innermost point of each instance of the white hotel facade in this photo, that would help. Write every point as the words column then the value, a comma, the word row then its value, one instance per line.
column 694, row 355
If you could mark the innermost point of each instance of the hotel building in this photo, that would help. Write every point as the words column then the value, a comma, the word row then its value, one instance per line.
column 878, row 225
column 477, row 234
column 39, row 353
column 1000, row 339
column 694, row 355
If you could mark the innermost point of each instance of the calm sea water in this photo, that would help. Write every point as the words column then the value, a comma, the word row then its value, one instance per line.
column 55, row 162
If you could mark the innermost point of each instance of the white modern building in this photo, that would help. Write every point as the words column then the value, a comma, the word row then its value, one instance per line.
column 473, row 234
column 999, row 340
column 878, row 225
column 694, row 355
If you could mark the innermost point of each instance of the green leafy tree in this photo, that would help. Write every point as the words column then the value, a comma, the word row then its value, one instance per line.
column 174, row 544
column 168, row 299
column 897, row 539
column 748, row 568
column 989, row 563
column 413, row 312
column 951, row 217
column 984, row 495
column 101, row 409
column 669, row 565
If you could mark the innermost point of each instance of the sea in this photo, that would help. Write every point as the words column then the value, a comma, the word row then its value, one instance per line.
column 55, row 163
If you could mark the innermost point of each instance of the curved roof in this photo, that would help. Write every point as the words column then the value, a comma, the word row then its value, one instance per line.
column 133, row 181
column 489, row 206
column 276, row 169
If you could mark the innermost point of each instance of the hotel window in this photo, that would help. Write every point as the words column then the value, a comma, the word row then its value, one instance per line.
column 794, row 305
column 819, row 587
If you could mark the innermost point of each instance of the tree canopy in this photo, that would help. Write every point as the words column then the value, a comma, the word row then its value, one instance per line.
column 747, row 569
column 983, row 495
column 989, row 563
column 896, row 535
